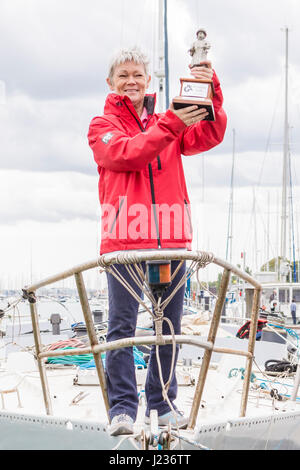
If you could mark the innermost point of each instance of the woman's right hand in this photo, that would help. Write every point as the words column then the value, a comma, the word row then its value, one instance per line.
column 190, row 115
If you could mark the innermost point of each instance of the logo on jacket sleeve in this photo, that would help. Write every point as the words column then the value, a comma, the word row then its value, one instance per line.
column 106, row 138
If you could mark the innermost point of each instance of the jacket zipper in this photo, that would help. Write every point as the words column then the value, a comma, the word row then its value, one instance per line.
column 151, row 183
column 158, row 162
column 153, row 204
column 117, row 215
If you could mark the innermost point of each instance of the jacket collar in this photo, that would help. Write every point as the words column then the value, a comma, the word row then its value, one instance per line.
column 115, row 104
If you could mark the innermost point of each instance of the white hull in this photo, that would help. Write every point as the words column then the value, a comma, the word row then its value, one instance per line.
column 268, row 424
column 69, row 411
column 34, row 432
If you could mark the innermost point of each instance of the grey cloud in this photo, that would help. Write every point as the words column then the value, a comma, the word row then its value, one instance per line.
column 212, row 169
column 47, row 197
column 54, row 49
column 47, row 135
column 54, row 57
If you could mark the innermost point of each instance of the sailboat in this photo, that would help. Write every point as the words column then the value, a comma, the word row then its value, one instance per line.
column 231, row 402
column 282, row 285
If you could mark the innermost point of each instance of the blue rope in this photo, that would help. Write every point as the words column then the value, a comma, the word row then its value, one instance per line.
column 137, row 355
column 291, row 332
column 264, row 386
column 86, row 361
column 234, row 372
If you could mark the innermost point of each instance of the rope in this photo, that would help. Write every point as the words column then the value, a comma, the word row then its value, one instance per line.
column 86, row 361
column 290, row 331
column 166, row 386
column 131, row 437
column 130, row 257
column 77, row 360
column 73, row 342
column 272, row 382
column 204, row 287
column 12, row 305
column 189, row 272
column 274, row 365
column 234, row 372
column 189, row 441
column 132, row 260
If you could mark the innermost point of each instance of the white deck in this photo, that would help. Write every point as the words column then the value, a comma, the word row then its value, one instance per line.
column 268, row 423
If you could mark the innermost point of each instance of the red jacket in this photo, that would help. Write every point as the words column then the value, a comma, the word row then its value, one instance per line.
column 142, row 188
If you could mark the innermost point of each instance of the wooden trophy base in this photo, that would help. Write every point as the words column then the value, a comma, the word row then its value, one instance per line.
column 196, row 92
column 182, row 102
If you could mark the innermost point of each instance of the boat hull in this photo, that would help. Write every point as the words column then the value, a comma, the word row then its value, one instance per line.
column 32, row 432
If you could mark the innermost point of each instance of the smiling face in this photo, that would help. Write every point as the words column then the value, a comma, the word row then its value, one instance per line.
column 130, row 79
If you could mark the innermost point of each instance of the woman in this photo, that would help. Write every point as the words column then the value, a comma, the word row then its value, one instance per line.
column 145, row 205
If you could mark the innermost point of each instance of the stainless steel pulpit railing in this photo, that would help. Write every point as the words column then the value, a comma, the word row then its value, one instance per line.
column 132, row 260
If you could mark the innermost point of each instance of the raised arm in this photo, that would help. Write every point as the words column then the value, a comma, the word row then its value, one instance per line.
column 204, row 135
column 114, row 150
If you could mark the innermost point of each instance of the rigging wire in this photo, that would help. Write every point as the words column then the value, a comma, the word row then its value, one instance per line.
column 294, row 210
column 122, row 22
column 292, row 218
column 259, row 182
column 140, row 19
column 269, row 134
column 230, row 208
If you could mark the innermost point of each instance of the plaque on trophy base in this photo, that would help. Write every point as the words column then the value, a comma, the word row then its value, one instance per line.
column 196, row 92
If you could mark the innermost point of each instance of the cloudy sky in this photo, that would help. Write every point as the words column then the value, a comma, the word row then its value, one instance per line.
column 54, row 57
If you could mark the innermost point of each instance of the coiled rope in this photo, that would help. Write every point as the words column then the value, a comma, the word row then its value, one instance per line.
column 84, row 361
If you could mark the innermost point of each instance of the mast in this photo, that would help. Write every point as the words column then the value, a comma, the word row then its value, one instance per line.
column 255, row 230
column 162, row 72
column 292, row 256
column 166, row 50
column 268, row 234
column 285, row 159
column 230, row 211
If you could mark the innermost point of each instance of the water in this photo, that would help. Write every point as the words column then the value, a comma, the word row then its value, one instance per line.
column 17, row 326
column 71, row 310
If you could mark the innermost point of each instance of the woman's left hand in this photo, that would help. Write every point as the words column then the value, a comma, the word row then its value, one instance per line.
column 203, row 71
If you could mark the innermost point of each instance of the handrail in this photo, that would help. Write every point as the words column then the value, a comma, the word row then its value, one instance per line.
column 111, row 258
column 202, row 259
column 139, row 341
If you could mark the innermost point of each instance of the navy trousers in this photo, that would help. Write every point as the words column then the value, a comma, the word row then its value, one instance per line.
column 120, row 368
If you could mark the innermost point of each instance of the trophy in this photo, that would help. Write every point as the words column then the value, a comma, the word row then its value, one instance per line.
column 197, row 91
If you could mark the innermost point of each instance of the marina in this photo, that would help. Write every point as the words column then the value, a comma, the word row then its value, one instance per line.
column 232, row 401
column 237, row 368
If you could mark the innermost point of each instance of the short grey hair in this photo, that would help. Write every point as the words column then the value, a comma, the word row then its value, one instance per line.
column 133, row 54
